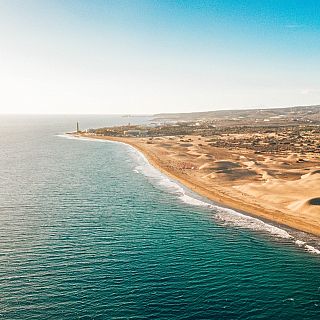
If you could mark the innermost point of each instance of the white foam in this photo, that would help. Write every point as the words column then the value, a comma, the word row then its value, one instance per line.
column 72, row 137
column 307, row 247
column 195, row 202
column 288, row 299
column 312, row 249
column 238, row 219
column 300, row 243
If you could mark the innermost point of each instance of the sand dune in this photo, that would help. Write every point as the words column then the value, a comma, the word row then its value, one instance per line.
column 299, row 196
column 309, row 206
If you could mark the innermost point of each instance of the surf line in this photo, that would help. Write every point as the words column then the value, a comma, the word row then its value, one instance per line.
column 227, row 215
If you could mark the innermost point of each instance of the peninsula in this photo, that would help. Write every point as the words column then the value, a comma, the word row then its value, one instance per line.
column 264, row 162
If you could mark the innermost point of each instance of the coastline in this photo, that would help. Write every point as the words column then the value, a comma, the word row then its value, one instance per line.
column 215, row 194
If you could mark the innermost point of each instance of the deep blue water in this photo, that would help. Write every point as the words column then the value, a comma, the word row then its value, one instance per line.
column 88, row 230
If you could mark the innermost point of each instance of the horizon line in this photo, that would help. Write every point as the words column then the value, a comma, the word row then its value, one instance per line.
column 151, row 114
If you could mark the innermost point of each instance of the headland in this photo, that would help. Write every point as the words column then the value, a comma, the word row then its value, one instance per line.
column 268, row 167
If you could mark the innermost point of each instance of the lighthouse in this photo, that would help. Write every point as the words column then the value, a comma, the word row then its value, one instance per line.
column 78, row 127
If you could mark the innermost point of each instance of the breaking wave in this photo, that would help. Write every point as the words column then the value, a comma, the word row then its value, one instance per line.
column 225, row 215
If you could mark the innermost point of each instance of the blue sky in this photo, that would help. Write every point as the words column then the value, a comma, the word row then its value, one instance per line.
column 157, row 56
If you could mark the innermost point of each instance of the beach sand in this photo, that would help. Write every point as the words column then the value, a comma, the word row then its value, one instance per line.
column 283, row 189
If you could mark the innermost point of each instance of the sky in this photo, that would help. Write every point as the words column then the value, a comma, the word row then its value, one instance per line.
column 146, row 57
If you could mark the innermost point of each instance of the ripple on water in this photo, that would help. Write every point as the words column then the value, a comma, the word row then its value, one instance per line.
column 105, row 243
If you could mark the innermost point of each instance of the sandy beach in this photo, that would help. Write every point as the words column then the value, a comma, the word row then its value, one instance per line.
column 281, row 189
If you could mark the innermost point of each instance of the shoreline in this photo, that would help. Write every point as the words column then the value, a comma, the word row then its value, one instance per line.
column 215, row 195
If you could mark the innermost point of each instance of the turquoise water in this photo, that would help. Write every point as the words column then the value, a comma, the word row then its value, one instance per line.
column 88, row 230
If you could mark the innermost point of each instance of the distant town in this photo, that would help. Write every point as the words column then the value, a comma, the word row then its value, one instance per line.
column 295, row 129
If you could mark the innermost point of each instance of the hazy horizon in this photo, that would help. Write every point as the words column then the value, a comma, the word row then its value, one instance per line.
column 149, row 57
column 151, row 114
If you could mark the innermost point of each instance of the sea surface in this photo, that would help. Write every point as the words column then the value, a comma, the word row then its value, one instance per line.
column 89, row 230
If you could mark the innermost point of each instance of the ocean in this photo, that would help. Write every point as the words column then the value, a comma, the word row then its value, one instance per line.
column 90, row 230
